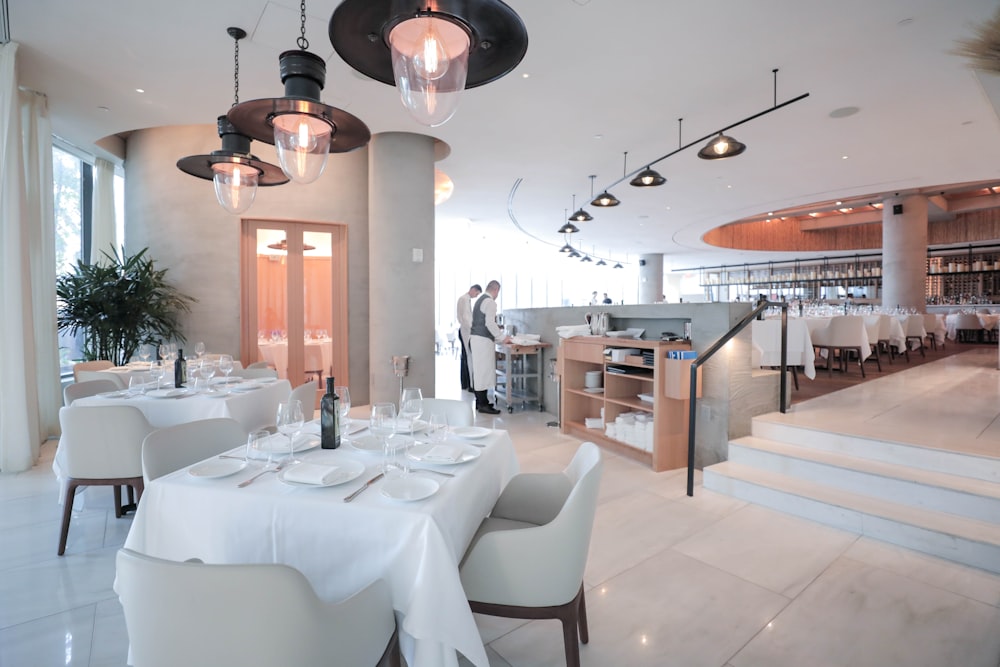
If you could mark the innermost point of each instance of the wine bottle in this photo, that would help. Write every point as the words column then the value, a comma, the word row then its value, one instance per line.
column 329, row 417
column 180, row 369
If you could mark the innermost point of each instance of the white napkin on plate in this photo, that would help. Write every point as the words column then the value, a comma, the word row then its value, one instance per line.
column 311, row 473
column 311, row 427
column 448, row 453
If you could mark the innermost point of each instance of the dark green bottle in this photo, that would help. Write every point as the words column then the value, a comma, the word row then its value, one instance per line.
column 180, row 369
column 329, row 417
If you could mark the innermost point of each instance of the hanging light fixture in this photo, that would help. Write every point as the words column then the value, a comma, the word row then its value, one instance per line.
column 569, row 228
column 303, row 129
column 720, row 147
column 566, row 248
column 586, row 258
column 647, row 178
column 235, row 172
column 606, row 199
column 580, row 215
column 283, row 246
column 429, row 52
column 618, row 265
column 601, row 262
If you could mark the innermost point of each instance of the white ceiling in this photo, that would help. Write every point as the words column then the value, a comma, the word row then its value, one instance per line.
column 600, row 77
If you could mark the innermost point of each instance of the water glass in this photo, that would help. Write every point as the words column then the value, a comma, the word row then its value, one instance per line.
column 382, row 424
column 437, row 430
column 136, row 384
column 157, row 371
column 205, row 372
column 226, row 365
column 411, row 406
column 259, row 448
column 344, row 394
column 289, row 422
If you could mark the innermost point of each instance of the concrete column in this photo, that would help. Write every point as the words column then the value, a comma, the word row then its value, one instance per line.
column 401, row 257
column 650, row 278
column 904, row 252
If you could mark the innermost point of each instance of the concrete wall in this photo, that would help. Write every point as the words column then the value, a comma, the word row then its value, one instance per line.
column 178, row 218
column 731, row 394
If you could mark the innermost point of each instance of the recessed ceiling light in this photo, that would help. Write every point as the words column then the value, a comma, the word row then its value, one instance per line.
column 729, row 187
column 139, row 90
column 525, row 75
column 843, row 157
column 839, row 203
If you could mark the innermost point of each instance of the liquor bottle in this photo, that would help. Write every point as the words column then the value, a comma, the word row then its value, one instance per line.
column 329, row 417
column 180, row 369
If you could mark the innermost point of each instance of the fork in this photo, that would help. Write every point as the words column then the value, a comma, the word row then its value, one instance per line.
column 247, row 482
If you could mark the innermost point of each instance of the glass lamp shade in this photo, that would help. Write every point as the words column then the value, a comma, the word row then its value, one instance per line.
column 303, row 145
column 235, row 186
column 430, row 61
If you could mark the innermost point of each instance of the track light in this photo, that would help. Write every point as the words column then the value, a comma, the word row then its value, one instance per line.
column 720, row 147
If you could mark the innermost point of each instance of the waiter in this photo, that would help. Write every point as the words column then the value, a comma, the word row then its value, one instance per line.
column 464, row 315
column 483, row 337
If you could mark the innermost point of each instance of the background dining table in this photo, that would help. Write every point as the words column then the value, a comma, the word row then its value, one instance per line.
column 341, row 547
column 766, row 338
column 319, row 351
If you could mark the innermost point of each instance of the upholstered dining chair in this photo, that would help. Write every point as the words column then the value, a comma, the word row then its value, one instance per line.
column 101, row 446
column 528, row 557
column 968, row 328
column 174, row 447
column 306, row 393
column 249, row 373
column 458, row 413
column 201, row 615
column 99, row 365
column 76, row 390
column 844, row 334
column 913, row 329
column 88, row 376
column 258, row 364
column 932, row 324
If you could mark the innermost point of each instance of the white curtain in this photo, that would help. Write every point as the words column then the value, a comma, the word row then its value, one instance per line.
column 102, row 239
column 29, row 358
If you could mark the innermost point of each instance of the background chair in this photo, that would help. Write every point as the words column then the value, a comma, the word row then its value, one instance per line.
column 174, row 447
column 968, row 328
column 101, row 446
column 313, row 362
column 458, row 413
column 249, row 373
column 99, row 365
column 307, row 394
column 913, row 329
column 76, row 390
column 932, row 325
column 258, row 364
column 89, row 376
column 201, row 615
column 845, row 334
column 527, row 558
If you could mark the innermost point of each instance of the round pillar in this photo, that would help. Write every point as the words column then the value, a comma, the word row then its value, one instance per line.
column 650, row 278
column 401, row 261
column 904, row 252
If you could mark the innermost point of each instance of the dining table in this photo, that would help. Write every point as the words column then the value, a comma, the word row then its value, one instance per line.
column 766, row 336
column 414, row 544
column 318, row 354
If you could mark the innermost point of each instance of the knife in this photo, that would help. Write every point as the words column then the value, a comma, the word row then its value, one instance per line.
column 367, row 484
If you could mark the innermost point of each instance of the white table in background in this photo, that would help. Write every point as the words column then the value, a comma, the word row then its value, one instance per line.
column 253, row 409
column 341, row 547
column 767, row 337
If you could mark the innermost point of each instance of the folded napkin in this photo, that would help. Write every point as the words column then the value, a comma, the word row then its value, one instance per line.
column 449, row 453
column 311, row 473
column 311, row 427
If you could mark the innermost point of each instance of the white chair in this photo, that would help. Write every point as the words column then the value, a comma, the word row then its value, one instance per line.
column 932, row 324
column 101, row 446
column 527, row 558
column 201, row 615
column 258, row 364
column 913, row 329
column 77, row 390
column 174, row 447
column 845, row 334
column 99, row 365
column 306, row 393
column 878, row 335
column 458, row 413
column 968, row 328
column 312, row 359
column 256, row 373
column 90, row 376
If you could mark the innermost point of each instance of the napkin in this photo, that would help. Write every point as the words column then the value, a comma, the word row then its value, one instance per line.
column 311, row 473
column 448, row 453
column 311, row 427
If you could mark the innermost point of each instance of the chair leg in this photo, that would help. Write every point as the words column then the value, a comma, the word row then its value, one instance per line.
column 67, row 512
column 861, row 363
column 582, row 620
column 118, row 501
column 571, row 640
column 795, row 378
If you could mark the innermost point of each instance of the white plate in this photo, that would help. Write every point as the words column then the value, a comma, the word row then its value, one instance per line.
column 346, row 471
column 409, row 488
column 594, row 390
column 166, row 393
column 278, row 444
column 114, row 394
column 213, row 468
column 223, row 380
column 245, row 387
column 265, row 380
column 404, row 425
column 420, row 453
column 371, row 445
column 471, row 432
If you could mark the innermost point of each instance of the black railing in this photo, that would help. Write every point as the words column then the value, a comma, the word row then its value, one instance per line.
column 715, row 347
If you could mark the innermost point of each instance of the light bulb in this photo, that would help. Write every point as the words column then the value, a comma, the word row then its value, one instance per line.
column 303, row 145
column 721, row 145
column 430, row 60
column 235, row 185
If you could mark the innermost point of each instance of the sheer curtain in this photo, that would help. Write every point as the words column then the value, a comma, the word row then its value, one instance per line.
column 29, row 359
column 102, row 239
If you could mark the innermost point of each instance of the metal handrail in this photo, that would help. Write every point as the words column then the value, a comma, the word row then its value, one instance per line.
column 715, row 347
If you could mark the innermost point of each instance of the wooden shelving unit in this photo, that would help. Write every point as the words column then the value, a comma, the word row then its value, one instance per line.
column 666, row 380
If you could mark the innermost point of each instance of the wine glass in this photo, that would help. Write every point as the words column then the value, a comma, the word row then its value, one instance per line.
column 226, row 365
column 144, row 352
column 289, row 422
column 383, row 426
column 411, row 406
column 193, row 366
column 156, row 371
column 164, row 351
column 205, row 372
column 199, row 349
column 345, row 407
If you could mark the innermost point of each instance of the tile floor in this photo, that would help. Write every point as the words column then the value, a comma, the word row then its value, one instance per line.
column 671, row 580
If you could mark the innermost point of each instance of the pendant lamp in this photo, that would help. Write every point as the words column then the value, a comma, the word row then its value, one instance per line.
column 303, row 129
column 569, row 228
column 432, row 51
column 720, row 147
column 647, row 178
column 235, row 172
column 605, row 200
column 580, row 215
column 601, row 262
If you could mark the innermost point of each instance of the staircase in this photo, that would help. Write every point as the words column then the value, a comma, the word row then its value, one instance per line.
column 942, row 503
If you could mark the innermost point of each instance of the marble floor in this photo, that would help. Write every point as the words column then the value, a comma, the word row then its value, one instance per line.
column 671, row 580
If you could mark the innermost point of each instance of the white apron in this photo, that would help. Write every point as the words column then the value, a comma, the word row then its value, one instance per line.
column 482, row 363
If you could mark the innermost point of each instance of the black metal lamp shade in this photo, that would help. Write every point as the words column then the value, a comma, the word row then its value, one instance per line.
column 720, row 147
column 605, row 200
column 647, row 178
column 235, row 150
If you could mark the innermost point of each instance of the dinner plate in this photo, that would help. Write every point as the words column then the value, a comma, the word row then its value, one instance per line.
column 213, row 468
column 372, row 445
column 265, row 380
column 346, row 471
column 471, row 432
column 119, row 393
column 594, row 390
column 405, row 426
column 245, row 387
column 232, row 379
column 166, row 393
column 433, row 453
column 278, row 444
column 409, row 488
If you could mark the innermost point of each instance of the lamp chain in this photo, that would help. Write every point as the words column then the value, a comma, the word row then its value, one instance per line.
column 302, row 41
column 236, row 72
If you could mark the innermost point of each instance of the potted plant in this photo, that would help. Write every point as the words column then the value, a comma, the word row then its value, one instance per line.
column 119, row 305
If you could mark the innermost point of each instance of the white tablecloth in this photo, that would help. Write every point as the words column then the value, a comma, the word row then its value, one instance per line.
column 253, row 409
column 896, row 336
column 341, row 547
column 316, row 351
column 987, row 320
column 767, row 337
